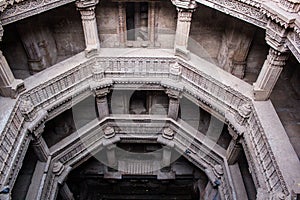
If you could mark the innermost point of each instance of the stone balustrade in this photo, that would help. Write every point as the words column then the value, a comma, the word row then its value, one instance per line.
column 198, row 79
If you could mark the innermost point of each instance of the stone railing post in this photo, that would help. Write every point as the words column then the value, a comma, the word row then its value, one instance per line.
column 9, row 86
column 89, row 24
column 185, row 10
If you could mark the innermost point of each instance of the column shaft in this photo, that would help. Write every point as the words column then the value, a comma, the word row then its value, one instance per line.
column 89, row 24
column 41, row 149
column 173, row 108
column 9, row 86
column 102, row 106
column 151, row 24
column 269, row 74
column 182, row 32
column 122, row 24
column 66, row 193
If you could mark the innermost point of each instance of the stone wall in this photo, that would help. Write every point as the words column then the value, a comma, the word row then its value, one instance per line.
column 166, row 23
column 107, row 20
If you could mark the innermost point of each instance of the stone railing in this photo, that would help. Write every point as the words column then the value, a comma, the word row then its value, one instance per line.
column 78, row 146
column 222, row 97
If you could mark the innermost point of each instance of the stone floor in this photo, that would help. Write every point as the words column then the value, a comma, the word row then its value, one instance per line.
column 287, row 104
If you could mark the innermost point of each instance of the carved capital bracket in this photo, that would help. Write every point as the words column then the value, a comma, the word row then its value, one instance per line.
column 175, row 71
column 37, row 125
column 185, row 4
column 86, row 4
column 276, row 36
column 175, row 94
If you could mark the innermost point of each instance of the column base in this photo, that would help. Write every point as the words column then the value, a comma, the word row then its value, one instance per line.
column 13, row 90
column 260, row 95
column 90, row 52
column 182, row 52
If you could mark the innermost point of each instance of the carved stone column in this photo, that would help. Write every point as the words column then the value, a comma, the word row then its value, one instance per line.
column 66, row 193
column 122, row 24
column 185, row 10
column 233, row 152
column 111, row 155
column 151, row 23
column 87, row 11
column 39, row 145
column 101, row 100
column 278, row 54
column 234, row 48
column 174, row 101
column 9, row 86
column 269, row 74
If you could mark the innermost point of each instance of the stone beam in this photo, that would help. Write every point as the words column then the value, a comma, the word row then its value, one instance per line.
column 9, row 86
column 89, row 24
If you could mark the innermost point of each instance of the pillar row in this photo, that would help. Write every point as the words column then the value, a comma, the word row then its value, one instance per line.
column 89, row 24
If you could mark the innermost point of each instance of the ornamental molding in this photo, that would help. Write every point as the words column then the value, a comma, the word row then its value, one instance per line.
column 22, row 9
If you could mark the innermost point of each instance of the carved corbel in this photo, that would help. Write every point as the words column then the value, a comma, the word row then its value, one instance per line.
column 186, row 4
column 110, row 136
column 27, row 110
column 244, row 112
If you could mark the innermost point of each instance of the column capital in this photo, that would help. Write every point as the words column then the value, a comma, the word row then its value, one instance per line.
column 102, row 92
column 86, row 4
column 27, row 110
column 276, row 36
column 174, row 93
column 185, row 4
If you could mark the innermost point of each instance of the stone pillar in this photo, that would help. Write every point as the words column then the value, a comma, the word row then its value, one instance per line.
column 66, row 193
column 167, row 155
column 9, row 86
column 111, row 155
column 122, row 24
column 185, row 10
column 41, row 149
column 101, row 100
column 174, row 101
column 151, row 23
column 233, row 152
column 39, row 45
column 89, row 24
column 276, row 36
column 234, row 49
column 269, row 74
